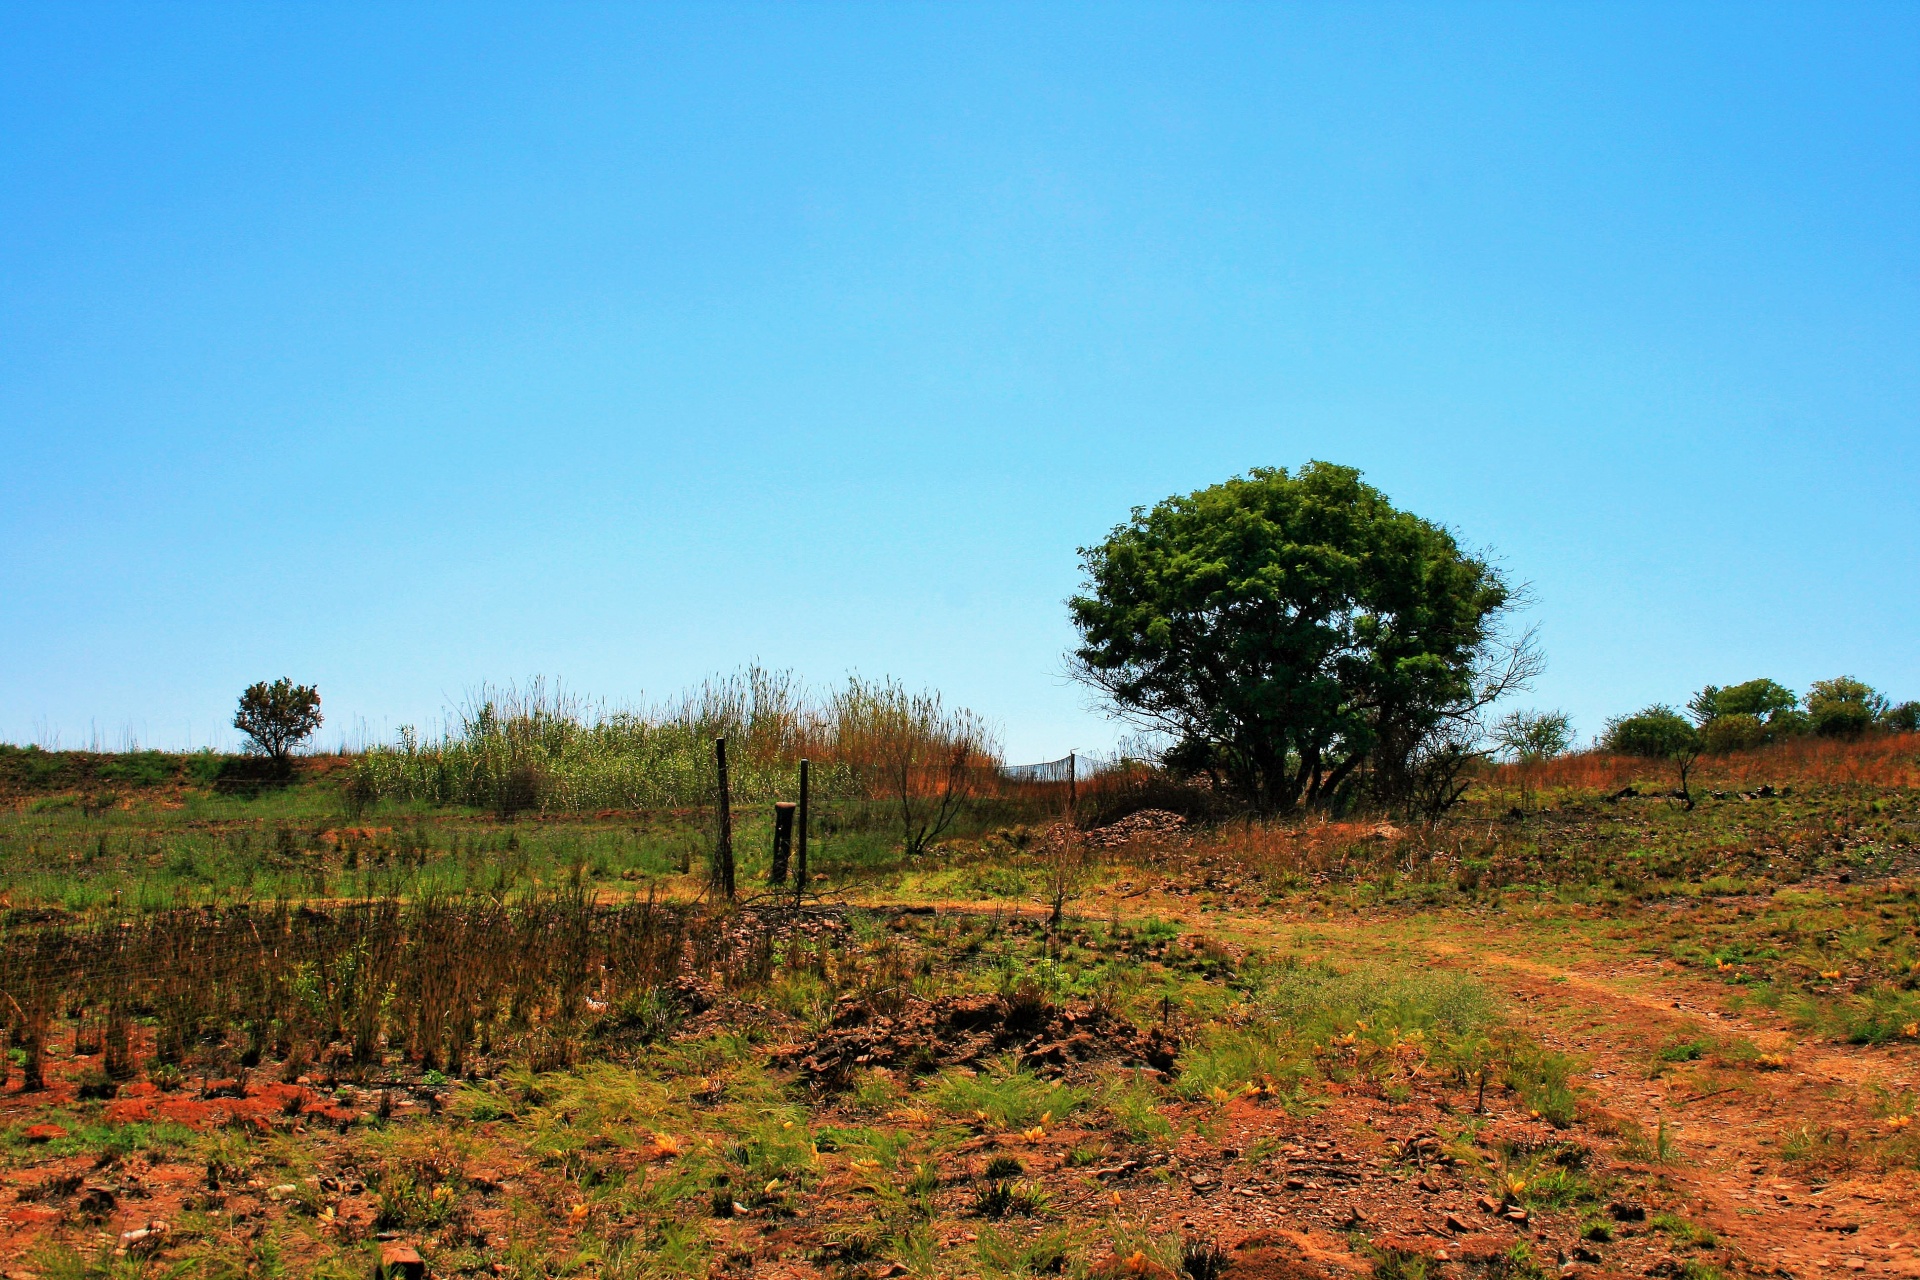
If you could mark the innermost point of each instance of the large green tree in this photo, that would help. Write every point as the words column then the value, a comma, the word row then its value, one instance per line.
column 1293, row 633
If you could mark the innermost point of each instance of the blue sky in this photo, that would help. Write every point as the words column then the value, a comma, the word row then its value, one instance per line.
column 403, row 348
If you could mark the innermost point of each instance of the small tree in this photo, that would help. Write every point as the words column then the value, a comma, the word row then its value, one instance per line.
column 1657, row 733
column 1437, row 775
column 1530, row 738
column 278, row 717
column 1763, row 699
column 920, row 753
column 1067, row 871
column 1843, row 707
column 1740, row 716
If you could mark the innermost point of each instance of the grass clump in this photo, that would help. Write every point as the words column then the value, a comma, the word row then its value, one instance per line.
column 1049, row 1253
column 1131, row 1107
column 1682, row 1231
column 1004, row 1096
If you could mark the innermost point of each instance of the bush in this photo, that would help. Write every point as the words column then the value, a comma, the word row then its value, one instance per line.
column 1723, row 734
column 1762, row 699
column 1843, row 707
column 1658, row 732
column 1902, row 718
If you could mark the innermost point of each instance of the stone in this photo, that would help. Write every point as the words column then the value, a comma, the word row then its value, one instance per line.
column 400, row 1261
column 144, row 1242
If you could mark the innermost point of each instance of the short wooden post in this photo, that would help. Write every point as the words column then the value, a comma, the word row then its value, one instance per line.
column 1073, row 786
column 782, row 840
column 800, row 860
column 722, row 869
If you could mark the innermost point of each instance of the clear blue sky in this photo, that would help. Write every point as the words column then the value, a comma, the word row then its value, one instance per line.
column 402, row 348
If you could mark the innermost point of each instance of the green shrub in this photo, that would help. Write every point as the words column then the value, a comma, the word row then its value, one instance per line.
column 1764, row 700
column 1724, row 734
column 1656, row 733
column 1542, row 1079
column 1843, row 707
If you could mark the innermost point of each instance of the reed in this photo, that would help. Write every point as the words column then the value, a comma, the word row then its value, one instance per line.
column 539, row 747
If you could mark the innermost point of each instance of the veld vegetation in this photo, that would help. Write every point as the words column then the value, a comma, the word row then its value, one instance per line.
column 1340, row 954
column 540, row 749
column 613, row 1074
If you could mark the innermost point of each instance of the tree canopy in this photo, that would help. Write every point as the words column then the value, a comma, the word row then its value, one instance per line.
column 1658, row 732
column 1844, row 707
column 1765, row 700
column 278, row 716
column 1286, row 629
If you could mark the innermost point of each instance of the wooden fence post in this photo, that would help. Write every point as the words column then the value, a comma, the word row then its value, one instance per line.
column 1073, row 786
column 800, row 861
column 782, row 840
column 723, row 843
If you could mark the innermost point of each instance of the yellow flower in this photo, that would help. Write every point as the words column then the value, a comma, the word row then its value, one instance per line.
column 1899, row 1122
column 578, row 1214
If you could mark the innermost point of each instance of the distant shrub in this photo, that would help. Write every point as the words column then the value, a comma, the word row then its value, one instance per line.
column 1658, row 732
column 1743, row 716
column 1762, row 699
column 1724, row 734
column 1843, row 707
column 1903, row 717
column 1529, row 737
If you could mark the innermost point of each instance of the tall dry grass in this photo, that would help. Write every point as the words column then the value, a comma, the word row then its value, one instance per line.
column 540, row 747
column 1878, row 760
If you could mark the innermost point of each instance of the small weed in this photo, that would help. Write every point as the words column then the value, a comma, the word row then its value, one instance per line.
column 1685, row 1051
column 1682, row 1231
column 1133, row 1110
column 1400, row 1264
column 993, row 1199
column 1203, row 1259
column 1005, row 1199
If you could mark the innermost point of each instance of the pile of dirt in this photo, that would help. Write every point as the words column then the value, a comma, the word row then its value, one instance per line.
column 1145, row 825
column 926, row 1035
